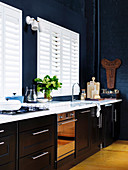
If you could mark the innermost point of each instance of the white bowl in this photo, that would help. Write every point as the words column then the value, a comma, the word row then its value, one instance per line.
column 42, row 100
column 10, row 105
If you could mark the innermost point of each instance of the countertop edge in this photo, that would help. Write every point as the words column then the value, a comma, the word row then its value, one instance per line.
column 14, row 118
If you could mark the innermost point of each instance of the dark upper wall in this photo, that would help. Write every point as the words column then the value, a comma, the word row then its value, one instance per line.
column 114, row 44
column 75, row 5
column 57, row 13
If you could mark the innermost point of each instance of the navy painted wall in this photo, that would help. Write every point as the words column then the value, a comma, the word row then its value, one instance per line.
column 71, row 14
column 114, row 44
column 57, row 13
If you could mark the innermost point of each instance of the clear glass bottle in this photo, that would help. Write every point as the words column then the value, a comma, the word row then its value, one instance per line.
column 32, row 97
column 26, row 94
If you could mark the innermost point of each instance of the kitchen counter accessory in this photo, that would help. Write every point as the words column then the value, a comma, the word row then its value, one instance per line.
column 8, row 105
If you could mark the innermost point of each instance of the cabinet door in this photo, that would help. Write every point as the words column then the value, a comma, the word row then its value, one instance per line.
column 7, row 149
column 8, row 166
column 82, row 131
column 107, row 130
column 41, row 160
column 95, row 141
column 116, row 120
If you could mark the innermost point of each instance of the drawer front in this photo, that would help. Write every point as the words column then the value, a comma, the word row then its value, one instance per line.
column 36, row 122
column 38, row 161
column 7, row 129
column 9, row 166
column 7, row 149
column 37, row 139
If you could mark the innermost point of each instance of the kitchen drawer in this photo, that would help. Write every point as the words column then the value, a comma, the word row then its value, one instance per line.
column 8, row 166
column 37, row 139
column 7, row 129
column 36, row 122
column 7, row 149
column 43, row 160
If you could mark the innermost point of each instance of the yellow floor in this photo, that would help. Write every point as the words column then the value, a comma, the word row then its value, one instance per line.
column 113, row 157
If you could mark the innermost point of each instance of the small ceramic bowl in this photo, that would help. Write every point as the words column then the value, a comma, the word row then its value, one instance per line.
column 42, row 100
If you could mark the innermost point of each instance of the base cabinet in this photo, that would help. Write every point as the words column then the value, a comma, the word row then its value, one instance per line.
column 43, row 159
column 107, row 127
column 8, row 166
column 7, row 146
column 94, row 134
column 31, row 144
column 83, row 131
column 87, row 132
column 110, row 123
column 116, row 120
column 36, row 143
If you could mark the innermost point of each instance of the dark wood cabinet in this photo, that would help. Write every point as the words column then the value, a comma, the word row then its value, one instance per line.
column 116, row 120
column 36, row 143
column 87, row 133
column 94, row 137
column 36, row 139
column 8, row 166
column 31, row 144
column 40, row 160
column 7, row 129
column 7, row 149
column 110, row 123
column 7, row 146
column 83, row 131
column 107, row 124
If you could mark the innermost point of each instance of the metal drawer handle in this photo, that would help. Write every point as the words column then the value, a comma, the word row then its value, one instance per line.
column 87, row 111
column 1, row 143
column 107, row 105
column 45, row 153
column 43, row 131
column 115, row 115
column 100, row 121
column 1, row 131
column 67, row 122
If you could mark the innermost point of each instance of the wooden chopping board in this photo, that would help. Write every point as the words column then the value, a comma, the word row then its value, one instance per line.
column 91, row 86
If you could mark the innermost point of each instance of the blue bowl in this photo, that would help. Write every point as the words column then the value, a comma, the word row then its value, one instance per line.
column 20, row 98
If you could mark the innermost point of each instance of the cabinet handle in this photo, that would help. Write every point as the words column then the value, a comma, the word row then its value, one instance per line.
column 67, row 122
column 100, row 121
column 1, row 143
column 108, row 105
column 1, row 131
column 115, row 115
column 43, row 131
column 87, row 111
column 45, row 153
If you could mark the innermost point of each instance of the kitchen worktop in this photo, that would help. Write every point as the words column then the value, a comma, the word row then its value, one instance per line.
column 55, row 108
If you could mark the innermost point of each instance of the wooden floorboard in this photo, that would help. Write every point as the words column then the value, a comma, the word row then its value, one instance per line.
column 113, row 157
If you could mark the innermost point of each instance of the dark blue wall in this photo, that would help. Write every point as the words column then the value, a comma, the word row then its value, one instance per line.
column 57, row 13
column 71, row 14
column 114, row 44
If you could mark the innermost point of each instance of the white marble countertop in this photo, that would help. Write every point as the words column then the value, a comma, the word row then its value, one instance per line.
column 56, row 108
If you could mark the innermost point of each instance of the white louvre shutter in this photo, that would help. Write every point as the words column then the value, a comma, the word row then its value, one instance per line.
column 55, row 55
column 1, row 52
column 75, row 60
column 66, row 71
column 43, row 60
column 12, row 50
column 58, row 54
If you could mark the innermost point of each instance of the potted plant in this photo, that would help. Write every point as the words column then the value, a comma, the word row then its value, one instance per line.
column 47, row 84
